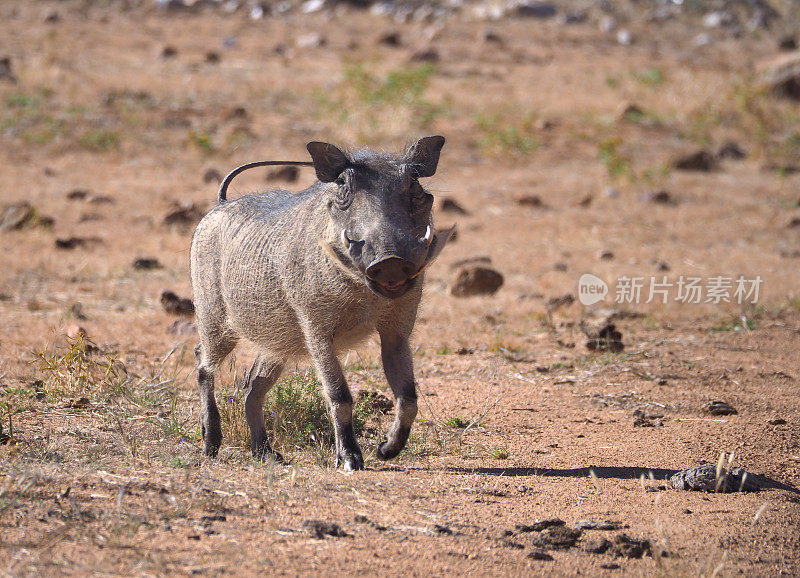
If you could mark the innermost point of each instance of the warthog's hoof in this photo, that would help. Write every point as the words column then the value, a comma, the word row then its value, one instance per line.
column 349, row 461
column 212, row 439
column 386, row 451
column 265, row 454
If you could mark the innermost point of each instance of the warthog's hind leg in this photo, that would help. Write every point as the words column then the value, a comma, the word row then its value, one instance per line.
column 257, row 382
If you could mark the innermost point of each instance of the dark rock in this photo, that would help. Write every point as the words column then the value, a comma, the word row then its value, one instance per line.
column 539, row 555
column 491, row 36
column 529, row 201
column 182, row 327
column 560, row 266
column 662, row 266
column 595, row 525
column 793, row 223
column 641, row 419
column 212, row 57
column 536, row 9
column 610, row 566
column 605, row 255
column 776, row 421
column 319, row 529
column 781, row 75
column 374, row 401
column 625, row 547
column 184, row 214
column 425, row 55
column 513, row 545
column 449, row 205
column 70, row 243
column 391, row 38
column 555, row 303
column 235, row 113
column 169, row 52
column 658, row 197
column 6, row 72
column 719, row 408
column 51, row 17
column 288, row 174
column 556, row 538
column 596, row 546
column 787, row 44
column 479, row 260
column 21, row 215
column 701, row 160
column 442, row 530
column 731, row 150
column 540, row 525
column 212, row 175
column 585, row 201
column 146, row 263
column 176, row 305
column 704, row 478
column 76, row 310
column 606, row 338
column 475, row 280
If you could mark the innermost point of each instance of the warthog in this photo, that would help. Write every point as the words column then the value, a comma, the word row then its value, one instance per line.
column 314, row 273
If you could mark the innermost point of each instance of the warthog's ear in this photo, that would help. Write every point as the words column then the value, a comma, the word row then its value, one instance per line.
column 423, row 156
column 329, row 161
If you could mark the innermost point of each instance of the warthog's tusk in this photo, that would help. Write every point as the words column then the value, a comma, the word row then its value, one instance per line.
column 428, row 236
column 345, row 240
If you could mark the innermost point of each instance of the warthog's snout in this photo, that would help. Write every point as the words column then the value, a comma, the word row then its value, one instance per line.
column 391, row 277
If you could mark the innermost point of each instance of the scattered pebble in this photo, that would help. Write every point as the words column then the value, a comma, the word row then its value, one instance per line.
column 606, row 338
column 391, row 38
column 69, row 243
column 319, row 529
column 182, row 327
column 555, row 303
column 6, row 72
column 169, row 52
column 596, row 546
column 212, row 175
column 184, row 214
column 776, row 421
column 176, row 305
column 310, row 40
column 288, row 174
column 425, row 55
column 529, row 201
column 605, row 255
column 537, row 554
column 731, row 150
column 611, row 192
column 146, row 263
column 450, row 205
column 22, row 215
column 540, row 525
column 556, row 538
column 704, row 478
column 475, row 280
column 661, row 197
column 700, row 160
column 625, row 547
column 595, row 525
column 536, row 9
column 642, row 419
column 719, row 408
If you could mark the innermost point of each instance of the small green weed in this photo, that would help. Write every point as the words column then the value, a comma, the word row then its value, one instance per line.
column 100, row 140
column 501, row 138
column 457, row 422
column 500, row 454
column 75, row 369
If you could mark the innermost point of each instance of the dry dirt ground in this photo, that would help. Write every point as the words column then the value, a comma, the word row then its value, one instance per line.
column 519, row 421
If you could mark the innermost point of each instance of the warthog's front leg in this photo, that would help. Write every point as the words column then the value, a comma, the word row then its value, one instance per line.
column 340, row 402
column 399, row 369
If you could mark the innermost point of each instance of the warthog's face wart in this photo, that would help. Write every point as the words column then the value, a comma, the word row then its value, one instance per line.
column 380, row 215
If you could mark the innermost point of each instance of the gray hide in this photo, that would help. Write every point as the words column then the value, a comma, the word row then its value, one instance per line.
column 315, row 273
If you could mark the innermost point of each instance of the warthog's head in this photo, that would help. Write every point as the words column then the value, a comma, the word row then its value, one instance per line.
column 380, row 213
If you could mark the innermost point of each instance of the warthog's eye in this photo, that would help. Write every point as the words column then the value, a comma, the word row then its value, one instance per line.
column 420, row 199
column 343, row 196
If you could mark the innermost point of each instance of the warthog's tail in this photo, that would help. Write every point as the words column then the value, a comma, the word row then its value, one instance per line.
column 223, row 188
